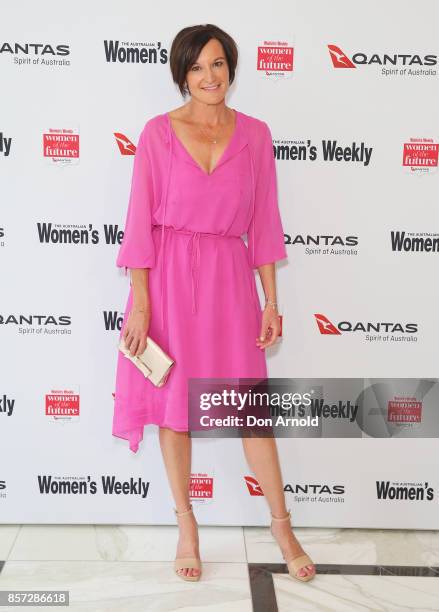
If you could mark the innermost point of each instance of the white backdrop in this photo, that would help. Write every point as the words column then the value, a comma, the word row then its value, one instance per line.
column 63, row 204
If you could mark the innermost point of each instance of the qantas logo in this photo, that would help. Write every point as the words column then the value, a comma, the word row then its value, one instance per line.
column 321, row 240
column 36, row 319
column 253, row 486
column 326, row 327
column 126, row 147
column 394, row 60
column 15, row 48
column 339, row 59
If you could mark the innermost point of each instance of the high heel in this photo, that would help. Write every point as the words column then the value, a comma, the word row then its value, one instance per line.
column 296, row 563
column 187, row 562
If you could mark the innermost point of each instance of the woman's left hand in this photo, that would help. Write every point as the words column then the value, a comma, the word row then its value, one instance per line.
column 270, row 327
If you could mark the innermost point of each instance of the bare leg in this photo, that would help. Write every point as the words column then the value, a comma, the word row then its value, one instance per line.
column 263, row 458
column 176, row 449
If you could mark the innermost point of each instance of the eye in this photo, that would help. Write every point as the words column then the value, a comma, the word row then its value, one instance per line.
column 217, row 63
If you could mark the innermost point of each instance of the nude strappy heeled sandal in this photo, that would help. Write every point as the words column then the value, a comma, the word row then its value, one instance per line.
column 187, row 562
column 297, row 563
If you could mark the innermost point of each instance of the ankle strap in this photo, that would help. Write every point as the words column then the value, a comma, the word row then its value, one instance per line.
column 185, row 511
column 288, row 516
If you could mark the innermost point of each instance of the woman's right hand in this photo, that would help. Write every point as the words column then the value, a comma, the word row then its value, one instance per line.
column 136, row 331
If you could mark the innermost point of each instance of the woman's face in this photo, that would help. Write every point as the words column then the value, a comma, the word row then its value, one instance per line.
column 208, row 78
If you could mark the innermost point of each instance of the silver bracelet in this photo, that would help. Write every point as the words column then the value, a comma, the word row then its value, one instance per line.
column 269, row 302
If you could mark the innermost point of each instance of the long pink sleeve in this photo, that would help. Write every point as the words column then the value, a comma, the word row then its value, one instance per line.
column 265, row 233
column 137, row 248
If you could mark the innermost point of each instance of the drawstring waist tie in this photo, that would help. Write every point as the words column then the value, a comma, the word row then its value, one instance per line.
column 195, row 260
column 194, row 242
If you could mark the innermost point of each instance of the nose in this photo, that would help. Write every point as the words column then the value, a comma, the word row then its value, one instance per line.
column 209, row 76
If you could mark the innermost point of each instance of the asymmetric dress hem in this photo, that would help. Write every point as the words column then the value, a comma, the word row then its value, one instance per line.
column 187, row 227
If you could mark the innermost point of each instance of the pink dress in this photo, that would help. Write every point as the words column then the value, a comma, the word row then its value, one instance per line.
column 186, row 226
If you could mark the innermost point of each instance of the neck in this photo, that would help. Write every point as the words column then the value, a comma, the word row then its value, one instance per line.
column 211, row 115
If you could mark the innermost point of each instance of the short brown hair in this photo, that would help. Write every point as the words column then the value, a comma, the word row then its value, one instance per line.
column 187, row 46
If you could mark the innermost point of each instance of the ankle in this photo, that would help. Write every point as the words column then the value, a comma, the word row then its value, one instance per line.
column 183, row 511
column 283, row 518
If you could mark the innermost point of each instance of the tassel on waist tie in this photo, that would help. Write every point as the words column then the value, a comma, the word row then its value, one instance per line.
column 195, row 261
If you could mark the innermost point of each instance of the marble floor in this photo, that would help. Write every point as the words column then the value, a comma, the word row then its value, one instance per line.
column 129, row 569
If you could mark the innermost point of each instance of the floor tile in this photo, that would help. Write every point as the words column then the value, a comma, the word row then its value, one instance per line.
column 119, row 543
column 99, row 586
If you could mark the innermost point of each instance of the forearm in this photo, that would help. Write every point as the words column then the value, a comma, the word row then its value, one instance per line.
column 139, row 283
column 267, row 274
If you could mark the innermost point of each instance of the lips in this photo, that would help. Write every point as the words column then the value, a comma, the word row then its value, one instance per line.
column 211, row 88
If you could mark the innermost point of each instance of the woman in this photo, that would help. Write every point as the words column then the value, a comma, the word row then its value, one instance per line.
column 204, row 174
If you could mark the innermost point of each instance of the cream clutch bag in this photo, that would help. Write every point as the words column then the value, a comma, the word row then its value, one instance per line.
column 154, row 363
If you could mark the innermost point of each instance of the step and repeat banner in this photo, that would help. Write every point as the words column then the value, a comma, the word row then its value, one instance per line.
column 351, row 101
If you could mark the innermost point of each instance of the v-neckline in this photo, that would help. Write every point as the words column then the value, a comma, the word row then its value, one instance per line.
column 221, row 158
